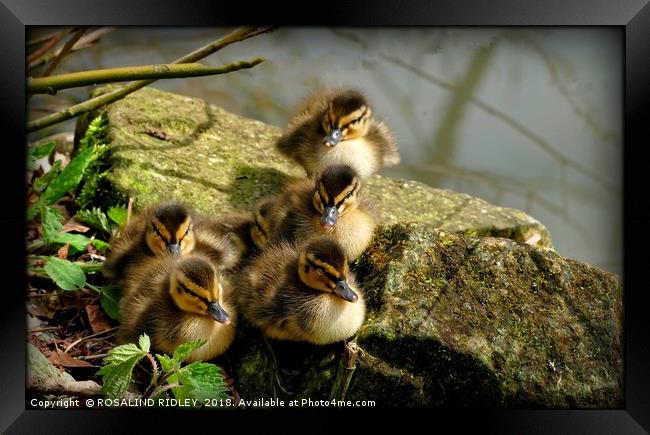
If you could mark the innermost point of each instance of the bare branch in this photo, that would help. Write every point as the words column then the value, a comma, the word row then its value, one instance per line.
column 110, row 97
column 110, row 75
column 64, row 51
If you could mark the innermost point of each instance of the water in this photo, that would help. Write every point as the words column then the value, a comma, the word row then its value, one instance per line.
column 524, row 118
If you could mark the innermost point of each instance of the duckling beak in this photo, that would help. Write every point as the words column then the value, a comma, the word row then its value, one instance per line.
column 333, row 138
column 343, row 289
column 329, row 217
column 218, row 313
column 174, row 248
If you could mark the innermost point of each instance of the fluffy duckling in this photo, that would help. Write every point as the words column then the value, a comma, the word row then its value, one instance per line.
column 177, row 299
column 161, row 229
column 332, row 205
column 337, row 126
column 302, row 293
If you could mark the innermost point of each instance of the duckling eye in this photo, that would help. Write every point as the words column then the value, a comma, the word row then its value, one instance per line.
column 155, row 230
column 187, row 231
column 320, row 272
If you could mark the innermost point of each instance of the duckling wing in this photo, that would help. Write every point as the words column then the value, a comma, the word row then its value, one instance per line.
column 381, row 136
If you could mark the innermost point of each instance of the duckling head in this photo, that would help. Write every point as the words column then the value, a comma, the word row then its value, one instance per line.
column 194, row 287
column 323, row 266
column 261, row 227
column 336, row 192
column 348, row 116
column 170, row 229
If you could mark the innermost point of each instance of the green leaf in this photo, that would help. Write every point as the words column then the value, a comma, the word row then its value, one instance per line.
column 118, row 369
column 78, row 242
column 118, row 215
column 38, row 152
column 110, row 300
column 183, row 351
column 144, row 342
column 51, row 219
column 65, row 274
column 42, row 182
column 201, row 381
column 95, row 218
column 167, row 364
column 68, row 179
column 100, row 244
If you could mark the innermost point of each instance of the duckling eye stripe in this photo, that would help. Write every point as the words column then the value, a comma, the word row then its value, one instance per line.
column 187, row 290
column 346, row 192
column 160, row 229
column 354, row 116
column 319, row 264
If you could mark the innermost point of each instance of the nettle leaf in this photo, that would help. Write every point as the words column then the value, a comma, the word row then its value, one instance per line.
column 118, row 215
column 144, row 342
column 118, row 369
column 38, row 152
column 95, row 218
column 110, row 300
column 42, row 182
column 67, row 275
column 100, row 244
column 167, row 364
column 51, row 222
column 183, row 351
column 201, row 381
column 78, row 242
column 68, row 179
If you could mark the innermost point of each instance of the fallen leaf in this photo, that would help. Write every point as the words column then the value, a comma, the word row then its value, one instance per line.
column 73, row 225
column 98, row 320
column 63, row 252
column 63, row 359
column 40, row 311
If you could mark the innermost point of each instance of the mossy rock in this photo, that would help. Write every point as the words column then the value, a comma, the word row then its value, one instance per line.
column 455, row 316
column 167, row 145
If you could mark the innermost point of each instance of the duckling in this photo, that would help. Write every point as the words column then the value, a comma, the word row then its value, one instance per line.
column 162, row 228
column 337, row 126
column 331, row 205
column 244, row 232
column 176, row 299
column 304, row 293
column 218, row 237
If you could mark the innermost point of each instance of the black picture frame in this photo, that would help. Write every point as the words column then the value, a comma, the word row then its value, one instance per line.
column 632, row 15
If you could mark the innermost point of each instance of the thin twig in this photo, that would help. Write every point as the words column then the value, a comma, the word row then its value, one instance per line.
column 52, row 84
column 87, row 41
column 99, row 355
column 64, row 51
column 47, row 46
column 129, row 209
column 110, row 97
column 41, row 39
column 87, row 337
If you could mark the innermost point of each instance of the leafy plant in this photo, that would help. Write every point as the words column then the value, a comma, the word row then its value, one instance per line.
column 197, row 380
column 38, row 152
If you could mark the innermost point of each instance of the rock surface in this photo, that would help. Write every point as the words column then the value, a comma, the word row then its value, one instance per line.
column 455, row 317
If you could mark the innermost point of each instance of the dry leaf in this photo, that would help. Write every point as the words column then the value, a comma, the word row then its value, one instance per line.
column 63, row 252
column 98, row 320
column 73, row 225
column 63, row 359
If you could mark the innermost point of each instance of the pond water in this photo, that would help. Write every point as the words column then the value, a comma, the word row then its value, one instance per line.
column 524, row 118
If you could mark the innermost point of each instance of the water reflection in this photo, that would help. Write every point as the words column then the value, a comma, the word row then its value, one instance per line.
column 524, row 118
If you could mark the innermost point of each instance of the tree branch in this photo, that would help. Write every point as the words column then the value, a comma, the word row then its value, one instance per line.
column 110, row 97
column 64, row 51
column 110, row 75
column 85, row 42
